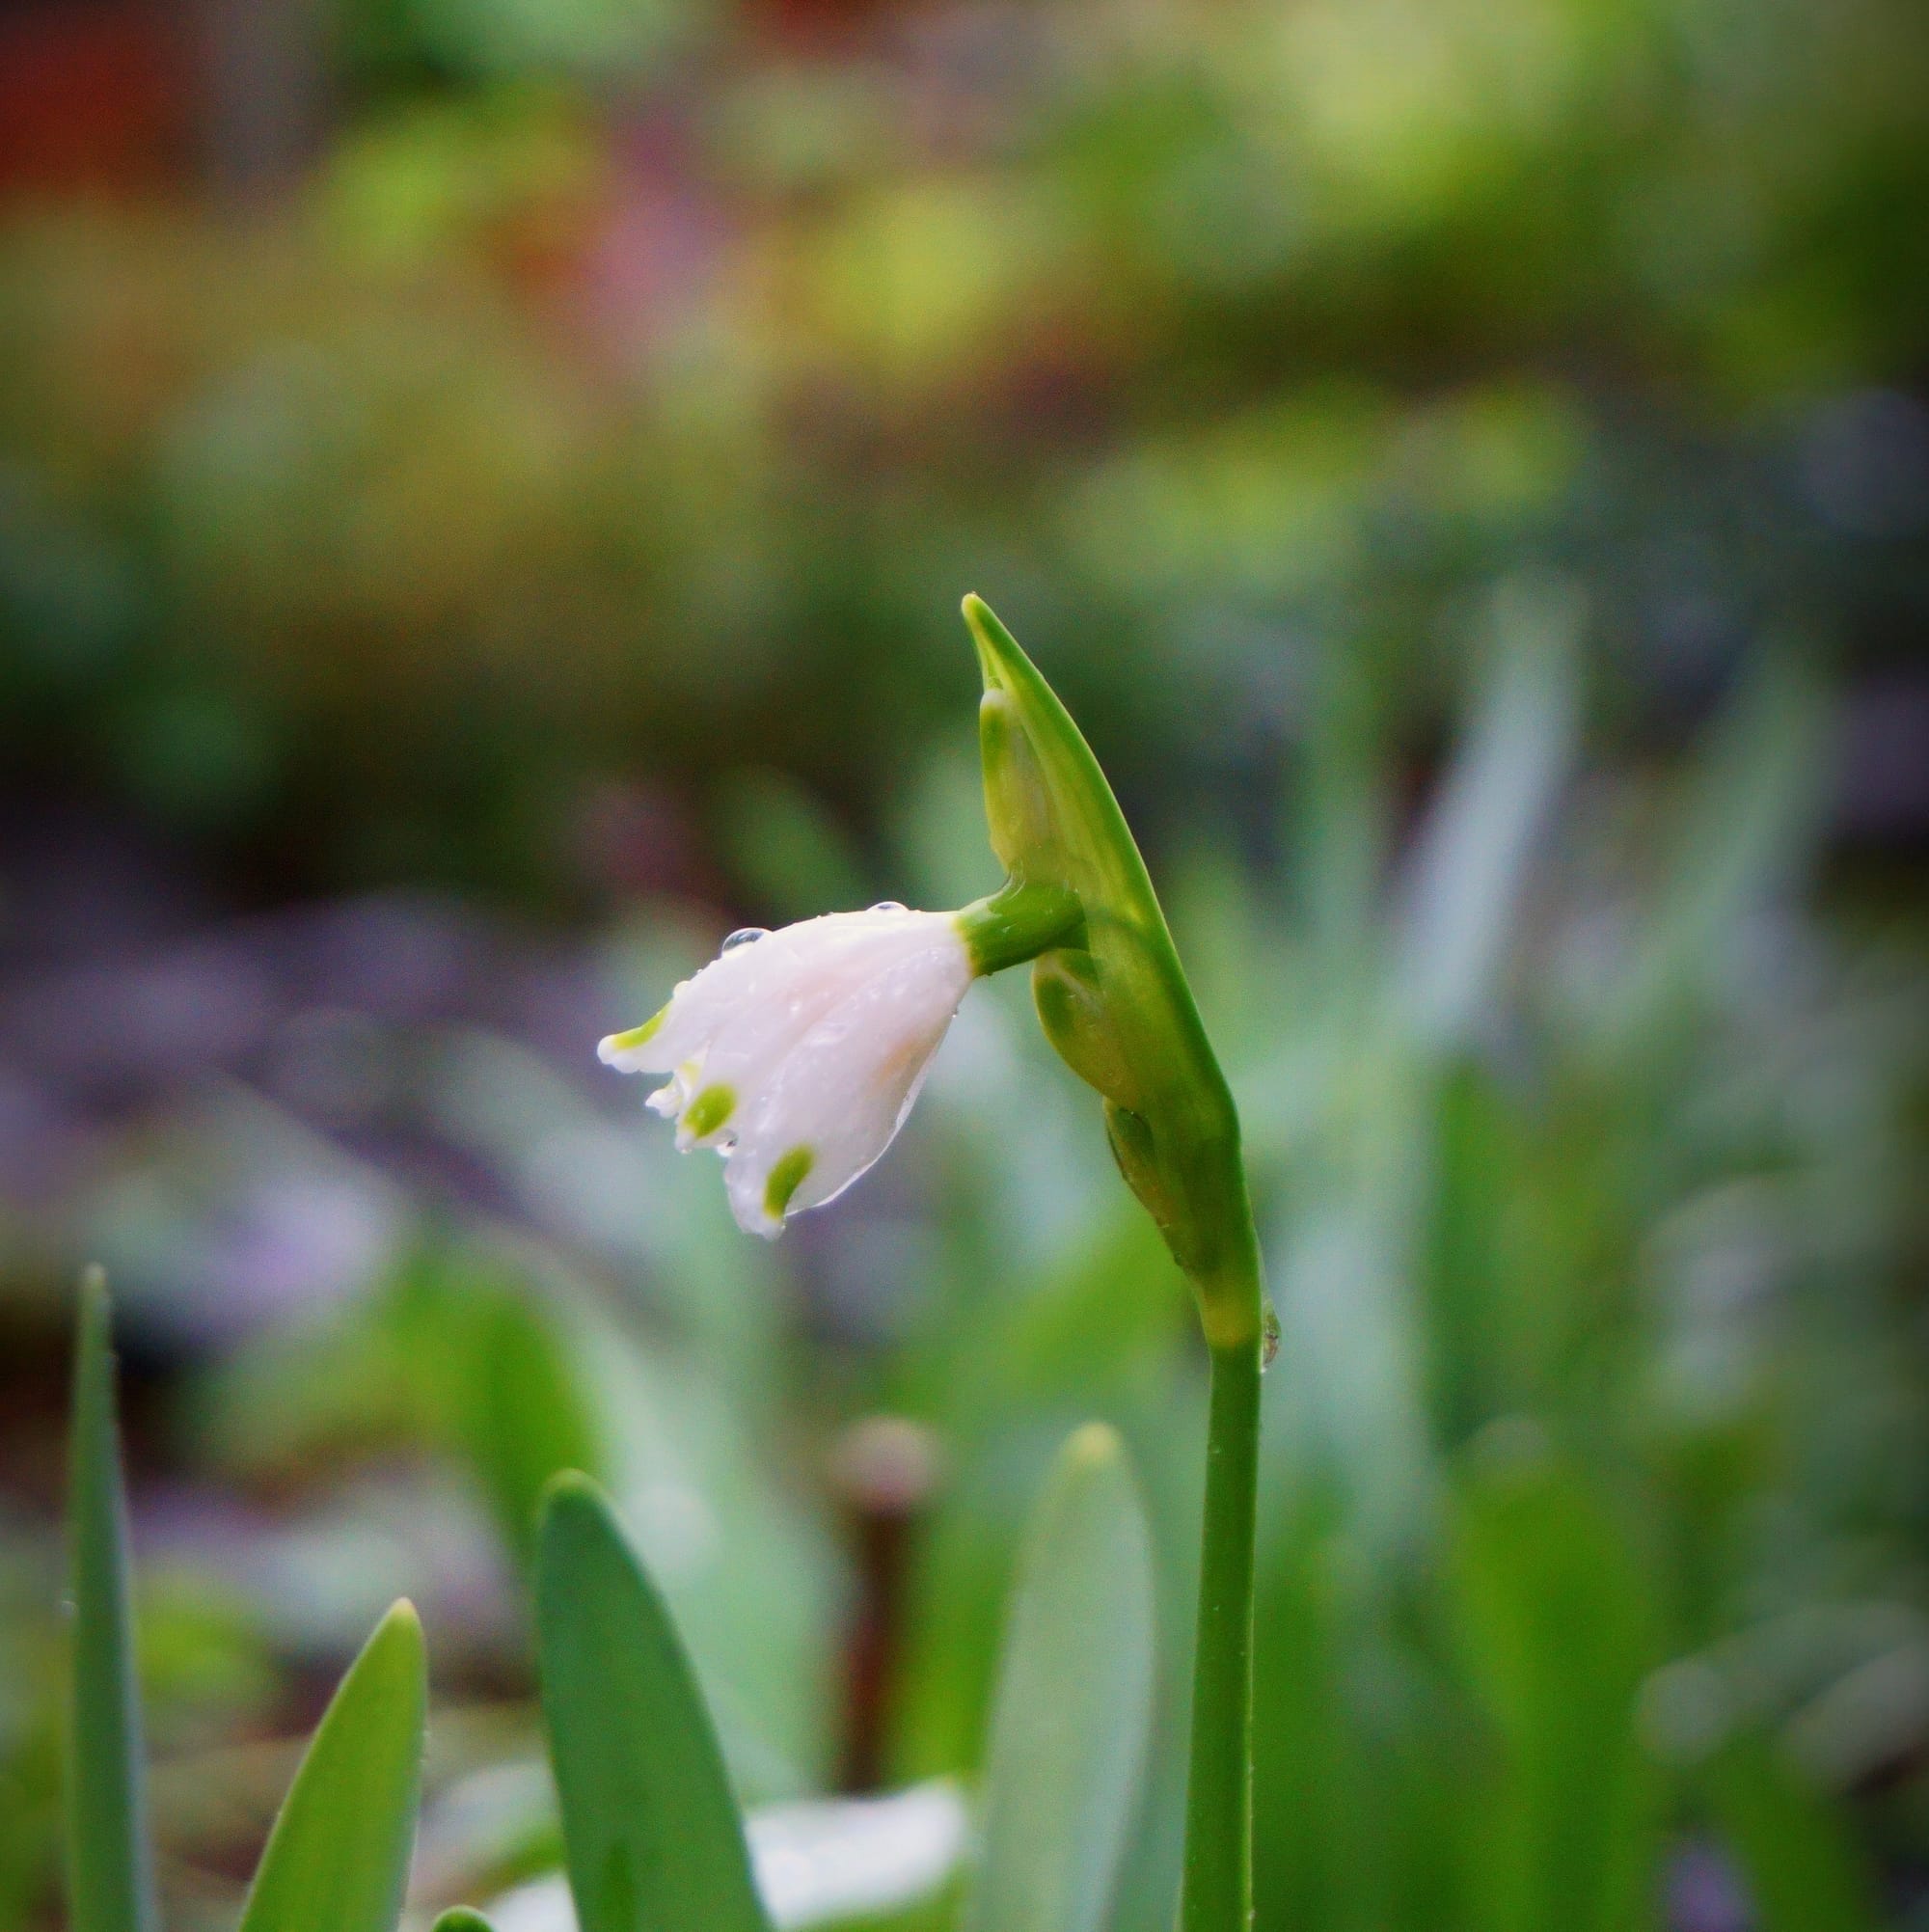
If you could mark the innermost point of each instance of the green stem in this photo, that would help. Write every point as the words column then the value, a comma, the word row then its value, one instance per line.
column 1218, row 1884
column 1017, row 922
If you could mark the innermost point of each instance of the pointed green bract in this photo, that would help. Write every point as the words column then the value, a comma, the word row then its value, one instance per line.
column 1073, row 1704
column 652, row 1833
column 337, row 1858
column 1118, row 1007
column 110, row 1880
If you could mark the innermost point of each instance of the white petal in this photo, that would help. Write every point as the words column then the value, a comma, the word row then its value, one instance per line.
column 844, row 1089
column 798, row 1056
column 768, row 972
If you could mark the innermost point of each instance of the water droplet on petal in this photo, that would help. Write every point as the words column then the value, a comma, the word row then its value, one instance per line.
column 890, row 906
column 1268, row 1338
column 745, row 936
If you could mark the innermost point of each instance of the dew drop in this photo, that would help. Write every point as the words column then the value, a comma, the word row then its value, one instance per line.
column 890, row 906
column 745, row 936
column 1268, row 1338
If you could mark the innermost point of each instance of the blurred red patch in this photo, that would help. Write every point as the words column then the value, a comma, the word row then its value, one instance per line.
column 91, row 97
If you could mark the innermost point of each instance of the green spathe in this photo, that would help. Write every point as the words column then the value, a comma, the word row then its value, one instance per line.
column 1117, row 1006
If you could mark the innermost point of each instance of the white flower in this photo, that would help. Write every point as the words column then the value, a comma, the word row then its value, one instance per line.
column 797, row 1054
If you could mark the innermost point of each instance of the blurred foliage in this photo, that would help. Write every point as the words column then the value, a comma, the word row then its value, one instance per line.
column 1468, row 469
column 589, row 411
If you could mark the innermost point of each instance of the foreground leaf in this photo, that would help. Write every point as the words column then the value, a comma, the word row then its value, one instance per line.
column 338, row 1860
column 1804, row 1870
column 524, row 1415
column 110, row 1880
column 1557, row 1628
column 653, row 1837
column 1073, row 1704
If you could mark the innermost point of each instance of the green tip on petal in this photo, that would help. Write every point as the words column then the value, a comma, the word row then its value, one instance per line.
column 640, row 1036
column 709, row 1110
column 786, row 1177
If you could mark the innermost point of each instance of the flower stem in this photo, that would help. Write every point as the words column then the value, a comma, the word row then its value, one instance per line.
column 1017, row 922
column 1217, row 1895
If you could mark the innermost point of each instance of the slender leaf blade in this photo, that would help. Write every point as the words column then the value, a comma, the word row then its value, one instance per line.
column 651, row 1829
column 524, row 1415
column 110, row 1877
column 1073, row 1705
column 1804, row 1870
column 1472, row 862
column 1556, row 1626
column 337, row 1858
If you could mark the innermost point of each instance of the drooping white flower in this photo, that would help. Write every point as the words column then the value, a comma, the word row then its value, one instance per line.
column 797, row 1054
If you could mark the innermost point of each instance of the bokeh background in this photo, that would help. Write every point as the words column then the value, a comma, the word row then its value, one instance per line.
column 485, row 487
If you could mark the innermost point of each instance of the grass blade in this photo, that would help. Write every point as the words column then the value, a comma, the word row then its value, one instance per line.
column 523, row 1415
column 1799, row 1856
column 338, row 1860
column 1073, row 1704
column 1557, row 1628
column 651, row 1829
column 1472, row 860
column 110, row 1880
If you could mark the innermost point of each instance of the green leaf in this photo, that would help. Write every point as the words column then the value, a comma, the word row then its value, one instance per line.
column 1557, row 1628
column 1749, row 822
column 1804, row 1870
column 1118, row 1008
column 523, row 1415
column 1073, row 1705
column 110, row 1880
column 337, row 1858
column 653, row 1837
column 1471, row 865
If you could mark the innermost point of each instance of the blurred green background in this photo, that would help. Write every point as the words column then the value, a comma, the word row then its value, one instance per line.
column 484, row 491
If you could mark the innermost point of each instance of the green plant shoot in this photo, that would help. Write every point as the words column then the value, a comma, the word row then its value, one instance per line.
column 1114, row 1001
column 110, row 1880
